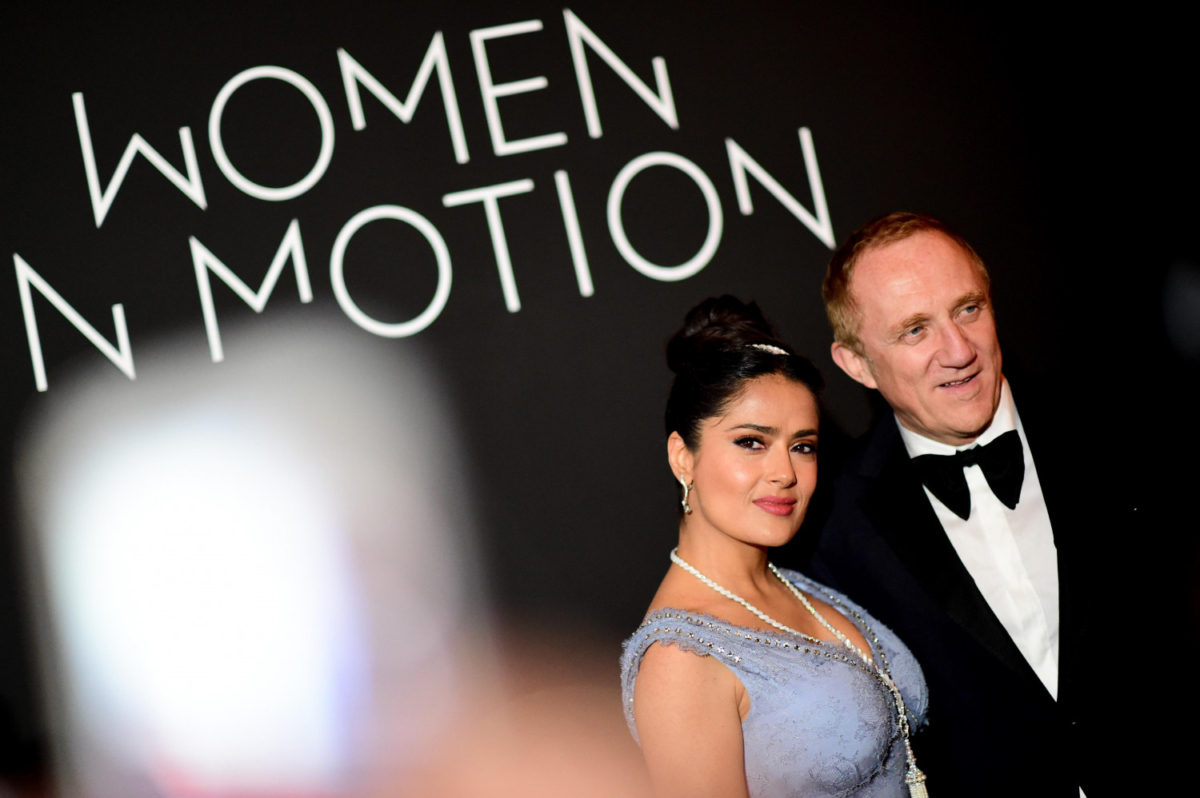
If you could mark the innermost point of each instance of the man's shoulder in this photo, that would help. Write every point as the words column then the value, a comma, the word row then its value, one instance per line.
column 874, row 502
column 872, row 465
column 869, row 455
column 1035, row 409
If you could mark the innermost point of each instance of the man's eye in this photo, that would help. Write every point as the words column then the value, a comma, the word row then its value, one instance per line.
column 971, row 309
column 749, row 442
column 914, row 332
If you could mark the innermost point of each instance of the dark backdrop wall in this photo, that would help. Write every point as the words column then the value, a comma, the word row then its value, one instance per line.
column 1056, row 146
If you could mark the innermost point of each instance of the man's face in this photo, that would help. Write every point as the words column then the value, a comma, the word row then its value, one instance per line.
column 928, row 336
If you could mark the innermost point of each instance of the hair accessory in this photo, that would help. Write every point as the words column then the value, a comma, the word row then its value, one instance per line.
column 687, row 488
column 914, row 778
column 771, row 348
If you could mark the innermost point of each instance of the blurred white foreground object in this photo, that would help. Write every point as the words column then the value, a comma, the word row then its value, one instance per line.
column 250, row 574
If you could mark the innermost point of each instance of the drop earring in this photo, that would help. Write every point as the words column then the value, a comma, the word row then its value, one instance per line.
column 687, row 488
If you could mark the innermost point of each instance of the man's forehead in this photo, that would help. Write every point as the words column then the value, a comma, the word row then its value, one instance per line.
column 927, row 267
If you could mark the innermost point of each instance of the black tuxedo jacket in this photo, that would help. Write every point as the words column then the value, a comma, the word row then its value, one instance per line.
column 993, row 727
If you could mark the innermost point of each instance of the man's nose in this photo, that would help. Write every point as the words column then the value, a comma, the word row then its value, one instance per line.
column 956, row 351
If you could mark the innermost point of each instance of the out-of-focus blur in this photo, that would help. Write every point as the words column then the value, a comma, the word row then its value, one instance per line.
column 258, row 578
column 1181, row 309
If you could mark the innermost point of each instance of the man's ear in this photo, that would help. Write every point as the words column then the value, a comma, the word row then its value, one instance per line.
column 854, row 364
column 680, row 457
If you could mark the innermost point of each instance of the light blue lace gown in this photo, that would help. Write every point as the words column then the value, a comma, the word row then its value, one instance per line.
column 818, row 725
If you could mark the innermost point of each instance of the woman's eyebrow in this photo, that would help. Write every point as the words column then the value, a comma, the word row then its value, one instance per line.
column 757, row 428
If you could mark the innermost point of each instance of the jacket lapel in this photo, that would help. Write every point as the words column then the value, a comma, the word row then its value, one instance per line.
column 897, row 506
column 1067, row 513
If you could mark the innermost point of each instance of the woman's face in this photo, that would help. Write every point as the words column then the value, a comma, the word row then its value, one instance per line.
column 755, row 467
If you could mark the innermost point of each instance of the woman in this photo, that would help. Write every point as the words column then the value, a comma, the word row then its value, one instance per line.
column 763, row 682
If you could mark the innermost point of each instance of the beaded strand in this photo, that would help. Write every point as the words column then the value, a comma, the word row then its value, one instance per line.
column 675, row 558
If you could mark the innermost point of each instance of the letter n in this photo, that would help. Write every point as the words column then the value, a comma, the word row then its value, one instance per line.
column 204, row 262
column 662, row 103
column 740, row 163
column 121, row 355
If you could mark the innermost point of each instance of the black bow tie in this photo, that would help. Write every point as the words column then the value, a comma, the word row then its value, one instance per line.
column 1002, row 462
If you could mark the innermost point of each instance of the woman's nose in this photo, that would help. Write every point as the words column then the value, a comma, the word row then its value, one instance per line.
column 781, row 471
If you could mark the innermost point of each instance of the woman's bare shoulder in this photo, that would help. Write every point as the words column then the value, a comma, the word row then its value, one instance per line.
column 689, row 711
column 686, row 684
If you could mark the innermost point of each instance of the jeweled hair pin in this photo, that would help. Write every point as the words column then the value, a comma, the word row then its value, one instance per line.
column 772, row 349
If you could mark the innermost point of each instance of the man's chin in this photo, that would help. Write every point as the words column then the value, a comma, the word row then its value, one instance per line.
column 958, row 423
column 970, row 425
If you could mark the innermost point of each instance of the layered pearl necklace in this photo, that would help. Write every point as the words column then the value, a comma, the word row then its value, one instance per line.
column 914, row 778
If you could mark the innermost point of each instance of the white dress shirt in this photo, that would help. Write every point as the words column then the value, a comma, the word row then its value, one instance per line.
column 1009, row 553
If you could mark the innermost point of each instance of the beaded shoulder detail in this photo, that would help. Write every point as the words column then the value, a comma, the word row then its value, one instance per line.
column 688, row 623
column 778, row 638
column 707, row 635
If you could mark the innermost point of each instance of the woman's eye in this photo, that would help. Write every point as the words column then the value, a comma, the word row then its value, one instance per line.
column 805, row 448
column 749, row 442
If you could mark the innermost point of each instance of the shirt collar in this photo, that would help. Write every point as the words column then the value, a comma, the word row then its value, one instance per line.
column 1003, row 421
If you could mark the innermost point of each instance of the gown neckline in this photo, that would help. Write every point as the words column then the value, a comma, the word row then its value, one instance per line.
column 832, row 642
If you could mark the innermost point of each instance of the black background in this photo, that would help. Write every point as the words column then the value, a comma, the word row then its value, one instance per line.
column 1061, row 147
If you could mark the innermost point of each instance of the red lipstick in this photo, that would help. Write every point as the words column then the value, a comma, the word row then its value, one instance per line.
column 776, row 505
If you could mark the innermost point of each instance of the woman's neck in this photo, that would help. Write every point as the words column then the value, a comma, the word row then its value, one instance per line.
column 731, row 563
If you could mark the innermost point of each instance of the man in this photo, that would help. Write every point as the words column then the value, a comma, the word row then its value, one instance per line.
column 976, row 560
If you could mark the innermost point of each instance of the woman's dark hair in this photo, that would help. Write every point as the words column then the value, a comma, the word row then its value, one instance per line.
column 716, row 351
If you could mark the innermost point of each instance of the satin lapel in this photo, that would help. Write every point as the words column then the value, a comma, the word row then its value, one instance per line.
column 1067, row 513
column 899, row 509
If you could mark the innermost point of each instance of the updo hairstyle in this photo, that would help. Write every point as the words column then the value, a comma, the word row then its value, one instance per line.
column 714, row 354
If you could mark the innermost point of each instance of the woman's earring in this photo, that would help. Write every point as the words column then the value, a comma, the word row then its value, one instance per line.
column 687, row 488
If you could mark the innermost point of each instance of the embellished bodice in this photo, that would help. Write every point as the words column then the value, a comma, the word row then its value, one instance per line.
column 821, row 723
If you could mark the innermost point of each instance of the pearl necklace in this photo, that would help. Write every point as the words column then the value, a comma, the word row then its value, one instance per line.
column 914, row 778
